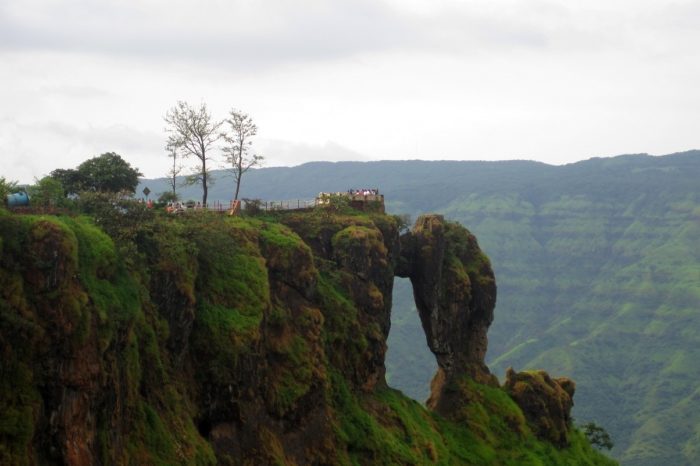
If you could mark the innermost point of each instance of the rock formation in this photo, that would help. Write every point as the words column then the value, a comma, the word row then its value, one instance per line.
column 244, row 341
column 546, row 402
column 455, row 293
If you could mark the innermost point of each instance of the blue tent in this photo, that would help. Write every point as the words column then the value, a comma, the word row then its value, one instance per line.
column 19, row 199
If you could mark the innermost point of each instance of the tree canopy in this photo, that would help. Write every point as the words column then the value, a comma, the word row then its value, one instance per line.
column 47, row 192
column 105, row 173
column 7, row 187
column 597, row 436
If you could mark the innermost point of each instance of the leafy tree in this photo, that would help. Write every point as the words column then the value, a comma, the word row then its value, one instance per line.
column 105, row 173
column 239, row 141
column 192, row 133
column 108, row 173
column 597, row 436
column 168, row 196
column 252, row 206
column 6, row 187
column 125, row 220
column 47, row 192
column 70, row 179
column 331, row 203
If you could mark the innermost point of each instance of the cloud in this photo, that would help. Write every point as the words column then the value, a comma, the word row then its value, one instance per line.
column 249, row 35
column 230, row 33
column 114, row 138
column 389, row 78
column 74, row 92
column 33, row 149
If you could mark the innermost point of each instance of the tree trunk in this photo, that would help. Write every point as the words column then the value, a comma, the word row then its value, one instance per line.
column 205, row 191
column 174, row 175
column 238, row 187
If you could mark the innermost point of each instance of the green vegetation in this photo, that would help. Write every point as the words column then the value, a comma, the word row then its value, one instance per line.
column 597, row 271
column 47, row 192
column 597, row 436
column 169, row 326
column 105, row 173
column 388, row 428
column 605, row 287
column 67, row 293
column 19, row 395
column 6, row 187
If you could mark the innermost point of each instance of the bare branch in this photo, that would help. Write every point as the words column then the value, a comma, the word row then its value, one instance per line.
column 192, row 132
column 238, row 143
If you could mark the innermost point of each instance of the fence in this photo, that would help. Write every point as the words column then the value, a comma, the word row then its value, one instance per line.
column 294, row 204
column 356, row 200
column 291, row 204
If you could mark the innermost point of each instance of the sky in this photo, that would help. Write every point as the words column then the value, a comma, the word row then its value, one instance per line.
column 335, row 80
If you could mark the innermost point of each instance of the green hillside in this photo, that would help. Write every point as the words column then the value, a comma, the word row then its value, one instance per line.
column 600, row 279
column 598, row 268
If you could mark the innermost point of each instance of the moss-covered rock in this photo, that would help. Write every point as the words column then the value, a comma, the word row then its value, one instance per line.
column 546, row 403
column 203, row 339
column 288, row 258
column 455, row 293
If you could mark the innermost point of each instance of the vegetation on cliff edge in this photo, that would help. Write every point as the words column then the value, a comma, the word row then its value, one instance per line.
column 147, row 346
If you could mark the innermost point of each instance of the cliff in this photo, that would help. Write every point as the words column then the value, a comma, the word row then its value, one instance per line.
column 134, row 338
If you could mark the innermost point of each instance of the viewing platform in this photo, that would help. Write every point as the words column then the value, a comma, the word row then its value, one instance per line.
column 360, row 199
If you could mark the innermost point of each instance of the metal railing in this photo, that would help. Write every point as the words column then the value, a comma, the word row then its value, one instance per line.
column 289, row 204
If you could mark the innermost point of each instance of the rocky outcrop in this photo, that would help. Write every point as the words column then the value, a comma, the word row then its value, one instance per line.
column 546, row 403
column 455, row 293
column 244, row 341
column 360, row 254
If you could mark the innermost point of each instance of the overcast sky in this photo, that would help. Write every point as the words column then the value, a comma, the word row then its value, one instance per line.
column 350, row 79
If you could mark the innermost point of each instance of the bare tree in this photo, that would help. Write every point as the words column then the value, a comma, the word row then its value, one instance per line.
column 237, row 150
column 174, row 172
column 192, row 132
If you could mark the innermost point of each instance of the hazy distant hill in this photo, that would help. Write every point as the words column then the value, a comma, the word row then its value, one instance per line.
column 598, row 266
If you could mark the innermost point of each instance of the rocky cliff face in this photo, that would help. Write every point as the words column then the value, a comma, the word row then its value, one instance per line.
column 455, row 293
column 546, row 402
column 209, row 340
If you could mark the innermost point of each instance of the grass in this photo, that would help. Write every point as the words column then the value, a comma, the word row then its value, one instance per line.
column 389, row 428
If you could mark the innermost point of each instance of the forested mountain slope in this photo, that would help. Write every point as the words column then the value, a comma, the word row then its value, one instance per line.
column 598, row 266
column 600, row 278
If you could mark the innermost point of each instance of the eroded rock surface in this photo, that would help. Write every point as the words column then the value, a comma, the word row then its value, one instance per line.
column 545, row 401
column 455, row 294
column 242, row 341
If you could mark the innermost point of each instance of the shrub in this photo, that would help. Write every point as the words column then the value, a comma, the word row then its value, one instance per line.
column 252, row 206
column 597, row 436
